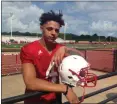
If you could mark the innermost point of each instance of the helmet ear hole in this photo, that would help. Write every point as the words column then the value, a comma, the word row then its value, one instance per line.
column 70, row 77
column 74, row 57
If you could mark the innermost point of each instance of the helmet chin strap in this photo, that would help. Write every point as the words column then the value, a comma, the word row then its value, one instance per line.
column 82, row 85
column 83, row 82
column 83, row 95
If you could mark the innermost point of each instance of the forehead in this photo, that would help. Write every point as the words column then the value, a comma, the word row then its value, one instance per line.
column 52, row 24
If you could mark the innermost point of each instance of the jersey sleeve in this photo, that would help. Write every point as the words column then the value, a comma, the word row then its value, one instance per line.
column 25, row 56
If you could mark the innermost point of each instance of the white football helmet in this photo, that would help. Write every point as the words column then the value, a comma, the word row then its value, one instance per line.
column 73, row 71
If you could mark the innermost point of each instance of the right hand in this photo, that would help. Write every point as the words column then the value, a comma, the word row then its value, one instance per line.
column 71, row 97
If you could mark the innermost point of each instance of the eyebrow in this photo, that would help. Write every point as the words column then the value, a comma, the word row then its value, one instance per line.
column 56, row 29
column 53, row 28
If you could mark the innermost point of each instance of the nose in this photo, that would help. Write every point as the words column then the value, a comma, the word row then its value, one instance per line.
column 53, row 33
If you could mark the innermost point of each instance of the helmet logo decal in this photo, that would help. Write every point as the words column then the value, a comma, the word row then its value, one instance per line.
column 74, row 57
column 70, row 77
column 73, row 73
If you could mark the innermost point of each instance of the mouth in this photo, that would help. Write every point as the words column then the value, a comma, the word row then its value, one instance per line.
column 53, row 39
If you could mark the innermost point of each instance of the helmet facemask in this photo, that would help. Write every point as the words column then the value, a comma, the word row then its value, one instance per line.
column 85, row 79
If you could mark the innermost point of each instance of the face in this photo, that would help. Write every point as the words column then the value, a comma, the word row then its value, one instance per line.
column 50, row 31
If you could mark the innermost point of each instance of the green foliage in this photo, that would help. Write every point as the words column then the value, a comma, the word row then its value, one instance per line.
column 68, row 36
column 17, row 33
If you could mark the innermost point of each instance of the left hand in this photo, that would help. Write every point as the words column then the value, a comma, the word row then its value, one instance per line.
column 58, row 56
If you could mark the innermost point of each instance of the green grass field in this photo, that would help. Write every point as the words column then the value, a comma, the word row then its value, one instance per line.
column 16, row 47
column 12, row 45
column 92, row 46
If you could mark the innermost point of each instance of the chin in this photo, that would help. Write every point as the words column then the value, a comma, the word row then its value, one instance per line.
column 51, row 41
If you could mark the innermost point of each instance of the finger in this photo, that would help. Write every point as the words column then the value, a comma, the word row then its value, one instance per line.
column 61, row 58
column 89, row 65
column 78, row 101
column 56, row 64
column 75, row 101
column 57, row 61
column 52, row 60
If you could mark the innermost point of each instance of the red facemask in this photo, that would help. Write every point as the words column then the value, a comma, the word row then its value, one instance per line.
column 86, row 79
column 89, row 79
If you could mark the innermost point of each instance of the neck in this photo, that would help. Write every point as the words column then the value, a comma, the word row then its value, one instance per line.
column 47, row 45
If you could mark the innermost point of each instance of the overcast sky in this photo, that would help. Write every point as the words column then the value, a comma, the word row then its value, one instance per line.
column 80, row 17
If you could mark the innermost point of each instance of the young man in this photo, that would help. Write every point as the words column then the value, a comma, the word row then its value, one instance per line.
column 37, row 56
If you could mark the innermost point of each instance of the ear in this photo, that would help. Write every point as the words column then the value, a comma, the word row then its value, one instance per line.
column 41, row 28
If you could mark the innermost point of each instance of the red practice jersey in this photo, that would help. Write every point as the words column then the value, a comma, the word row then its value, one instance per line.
column 36, row 54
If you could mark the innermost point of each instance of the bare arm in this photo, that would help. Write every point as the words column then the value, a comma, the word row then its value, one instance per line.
column 36, row 84
column 33, row 83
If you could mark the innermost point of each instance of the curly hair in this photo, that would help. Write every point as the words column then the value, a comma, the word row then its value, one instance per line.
column 57, row 17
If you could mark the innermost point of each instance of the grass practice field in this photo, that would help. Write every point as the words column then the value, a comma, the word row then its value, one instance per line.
column 16, row 47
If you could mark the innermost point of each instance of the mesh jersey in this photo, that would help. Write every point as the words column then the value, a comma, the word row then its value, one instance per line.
column 36, row 54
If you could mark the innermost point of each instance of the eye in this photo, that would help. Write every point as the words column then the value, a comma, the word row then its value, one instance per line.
column 49, row 28
column 57, row 30
column 70, row 77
